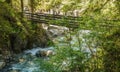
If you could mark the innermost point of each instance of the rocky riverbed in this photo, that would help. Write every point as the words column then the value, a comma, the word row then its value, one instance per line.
column 27, row 61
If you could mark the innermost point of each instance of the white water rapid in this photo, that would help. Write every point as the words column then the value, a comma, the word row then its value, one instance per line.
column 27, row 60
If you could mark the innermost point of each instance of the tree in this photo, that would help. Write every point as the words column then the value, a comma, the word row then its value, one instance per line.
column 22, row 8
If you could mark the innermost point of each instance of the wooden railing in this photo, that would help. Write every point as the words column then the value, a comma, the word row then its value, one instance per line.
column 54, row 19
column 68, row 21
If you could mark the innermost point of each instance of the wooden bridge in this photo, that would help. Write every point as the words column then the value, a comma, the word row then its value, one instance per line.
column 68, row 21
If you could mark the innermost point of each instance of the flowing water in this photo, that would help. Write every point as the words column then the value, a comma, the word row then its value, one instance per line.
column 26, row 61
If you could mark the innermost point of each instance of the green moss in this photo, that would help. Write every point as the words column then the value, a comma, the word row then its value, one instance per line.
column 11, row 24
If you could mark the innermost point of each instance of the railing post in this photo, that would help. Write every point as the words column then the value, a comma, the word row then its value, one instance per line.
column 32, row 10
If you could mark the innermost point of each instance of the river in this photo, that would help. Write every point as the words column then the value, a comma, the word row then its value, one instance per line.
column 28, row 60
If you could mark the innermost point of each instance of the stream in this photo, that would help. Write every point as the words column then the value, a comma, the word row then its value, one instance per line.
column 26, row 61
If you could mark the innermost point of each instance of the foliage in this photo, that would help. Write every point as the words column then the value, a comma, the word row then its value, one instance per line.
column 14, row 26
column 102, row 17
column 11, row 24
column 2, row 0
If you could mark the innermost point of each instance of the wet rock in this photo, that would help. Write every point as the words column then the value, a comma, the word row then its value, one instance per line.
column 15, row 71
column 9, row 59
column 30, row 54
column 21, row 60
column 44, row 53
column 1, row 57
column 0, row 51
column 2, row 64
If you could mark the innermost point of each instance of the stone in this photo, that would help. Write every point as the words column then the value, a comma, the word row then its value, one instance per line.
column 49, row 52
column 2, row 64
column 1, row 57
column 21, row 60
column 44, row 53
column 55, row 31
column 15, row 71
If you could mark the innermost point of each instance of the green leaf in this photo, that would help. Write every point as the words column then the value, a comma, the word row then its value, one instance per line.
column 2, row 0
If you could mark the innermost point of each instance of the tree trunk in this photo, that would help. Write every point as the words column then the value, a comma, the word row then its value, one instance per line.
column 32, row 9
column 22, row 8
column 9, row 2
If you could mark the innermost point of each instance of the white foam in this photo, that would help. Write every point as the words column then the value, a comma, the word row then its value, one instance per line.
column 34, row 50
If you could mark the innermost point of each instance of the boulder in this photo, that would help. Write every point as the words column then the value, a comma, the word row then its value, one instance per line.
column 55, row 31
column 2, row 64
column 21, row 60
column 1, row 59
column 15, row 71
column 44, row 53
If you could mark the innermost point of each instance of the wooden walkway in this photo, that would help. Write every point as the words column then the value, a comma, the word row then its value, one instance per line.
column 68, row 21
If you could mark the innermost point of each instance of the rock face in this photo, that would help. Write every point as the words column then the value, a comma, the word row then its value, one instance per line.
column 40, row 37
column 2, row 64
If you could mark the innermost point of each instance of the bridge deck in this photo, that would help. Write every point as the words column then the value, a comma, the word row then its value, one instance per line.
column 68, row 21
